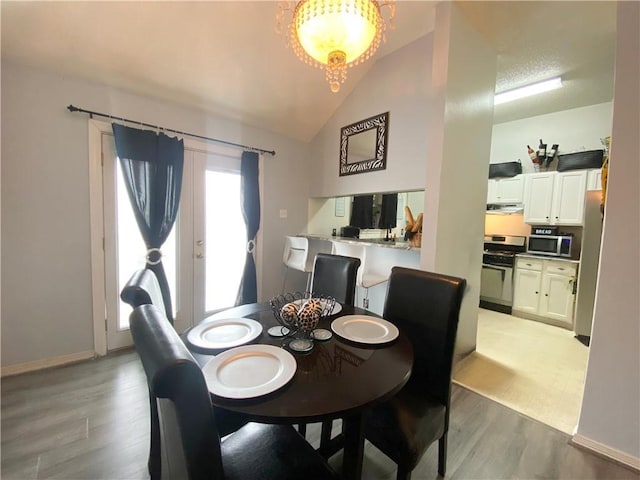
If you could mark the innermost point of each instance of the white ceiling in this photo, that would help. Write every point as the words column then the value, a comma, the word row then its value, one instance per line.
column 226, row 58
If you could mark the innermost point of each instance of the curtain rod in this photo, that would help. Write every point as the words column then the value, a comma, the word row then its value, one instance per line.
column 72, row 108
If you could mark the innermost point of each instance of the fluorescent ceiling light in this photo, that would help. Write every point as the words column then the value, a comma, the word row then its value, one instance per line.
column 528, row 90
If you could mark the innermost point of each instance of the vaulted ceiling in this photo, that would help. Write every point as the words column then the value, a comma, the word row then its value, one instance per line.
column 225, row 57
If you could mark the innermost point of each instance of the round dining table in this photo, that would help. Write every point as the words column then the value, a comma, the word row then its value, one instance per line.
column 338, row 378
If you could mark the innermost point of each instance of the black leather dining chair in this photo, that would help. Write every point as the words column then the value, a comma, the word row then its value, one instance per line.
column 335, row 275
column 191, row 445
column 426, row 307
column 143, row 289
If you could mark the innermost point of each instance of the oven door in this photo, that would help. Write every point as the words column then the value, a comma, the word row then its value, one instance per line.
column 496, row 284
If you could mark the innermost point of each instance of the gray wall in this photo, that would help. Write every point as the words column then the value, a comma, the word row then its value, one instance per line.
column 397, row 83
column 459, row 135
column 610, row 415
column 46, row 269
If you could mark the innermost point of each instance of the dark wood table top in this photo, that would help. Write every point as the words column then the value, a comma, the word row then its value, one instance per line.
column 337, row 378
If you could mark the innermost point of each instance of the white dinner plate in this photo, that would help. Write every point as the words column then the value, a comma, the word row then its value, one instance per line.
column 224, row 333
column 249, row 371
column 336, row 307
column 364, row 329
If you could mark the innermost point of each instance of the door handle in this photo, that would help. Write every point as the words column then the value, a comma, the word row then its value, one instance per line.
column 199, row 243
column 199, row 255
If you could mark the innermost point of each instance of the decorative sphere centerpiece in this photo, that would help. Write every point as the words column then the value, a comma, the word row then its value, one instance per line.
column 298, row 314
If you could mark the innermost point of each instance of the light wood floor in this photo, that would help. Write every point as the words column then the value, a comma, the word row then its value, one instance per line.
column 534, row 368
column 90, row 421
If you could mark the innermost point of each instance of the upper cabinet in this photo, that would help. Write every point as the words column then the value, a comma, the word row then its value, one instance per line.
column 506, row 190
column 555, row 198
column 594, row 179
column 538, row 197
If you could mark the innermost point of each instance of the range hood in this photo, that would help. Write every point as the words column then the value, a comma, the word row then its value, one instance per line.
column 504, row 208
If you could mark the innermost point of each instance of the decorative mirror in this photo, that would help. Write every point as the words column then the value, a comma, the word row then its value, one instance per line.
column 363, row 145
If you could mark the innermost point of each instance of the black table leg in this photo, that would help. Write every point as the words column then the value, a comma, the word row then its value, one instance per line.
column 353, row 447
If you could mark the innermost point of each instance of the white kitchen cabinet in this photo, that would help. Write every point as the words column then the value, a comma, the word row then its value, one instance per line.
column 544, row 289
column 539, row 198
column 594, row 179
column 506, row 190
column 555, row 198
column 568, row 198
column 526, row 293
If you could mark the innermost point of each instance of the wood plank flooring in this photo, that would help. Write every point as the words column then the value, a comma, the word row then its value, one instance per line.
column 90, row 421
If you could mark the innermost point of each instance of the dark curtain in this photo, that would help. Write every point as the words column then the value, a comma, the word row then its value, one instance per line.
column 388, row 211
column 152, row 168
column 362, row 211
column 250, row 191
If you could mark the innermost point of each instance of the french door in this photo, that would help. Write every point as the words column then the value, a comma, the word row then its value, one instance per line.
column 218, row 245
column 204, row 254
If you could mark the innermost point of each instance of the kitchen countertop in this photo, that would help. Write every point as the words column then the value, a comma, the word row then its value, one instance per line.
column 374, row 242
column 547, row 257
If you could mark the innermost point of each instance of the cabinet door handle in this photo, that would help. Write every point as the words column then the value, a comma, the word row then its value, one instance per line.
column 537, row 293
column 561, row 268
column 546, row 294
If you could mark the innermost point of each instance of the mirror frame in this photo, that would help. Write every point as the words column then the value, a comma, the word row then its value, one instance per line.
column 381, row 124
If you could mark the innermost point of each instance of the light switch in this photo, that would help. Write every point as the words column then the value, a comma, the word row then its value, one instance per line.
column 283, row 213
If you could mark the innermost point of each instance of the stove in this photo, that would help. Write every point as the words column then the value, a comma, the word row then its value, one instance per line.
column 498, row 260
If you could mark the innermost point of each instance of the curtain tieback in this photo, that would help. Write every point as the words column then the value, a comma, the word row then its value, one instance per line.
column 154, row 256
column 251, row 246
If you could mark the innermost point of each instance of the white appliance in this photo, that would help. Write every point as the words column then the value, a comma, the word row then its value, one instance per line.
column 589, row 262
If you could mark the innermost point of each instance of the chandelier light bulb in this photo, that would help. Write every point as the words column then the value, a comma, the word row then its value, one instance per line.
column 336, row 34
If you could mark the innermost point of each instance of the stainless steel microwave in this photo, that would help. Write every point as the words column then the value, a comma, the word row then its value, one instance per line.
column 554, row 245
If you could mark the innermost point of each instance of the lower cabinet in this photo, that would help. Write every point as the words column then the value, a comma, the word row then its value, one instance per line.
column 545, row 289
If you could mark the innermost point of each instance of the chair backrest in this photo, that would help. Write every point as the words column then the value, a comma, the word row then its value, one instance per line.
column 296, row 253
column 352, row 250
column 189, row 437
column 142, row 289
column 335, row 275
column 426, row 307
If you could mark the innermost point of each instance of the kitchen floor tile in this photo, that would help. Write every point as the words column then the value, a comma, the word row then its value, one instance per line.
column 531, row 367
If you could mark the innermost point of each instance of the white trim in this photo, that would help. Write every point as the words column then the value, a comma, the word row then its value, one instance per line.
column 46, row 363
column 96, row 222
column 606, row 451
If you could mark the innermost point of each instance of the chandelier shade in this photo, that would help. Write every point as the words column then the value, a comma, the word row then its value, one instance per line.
column 336, row 34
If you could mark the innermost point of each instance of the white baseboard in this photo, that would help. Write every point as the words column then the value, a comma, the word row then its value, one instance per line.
column 611, row 453
column 46, row 363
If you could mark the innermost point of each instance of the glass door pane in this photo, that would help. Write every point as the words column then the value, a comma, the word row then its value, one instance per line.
column 132, row 250
column 226, row 239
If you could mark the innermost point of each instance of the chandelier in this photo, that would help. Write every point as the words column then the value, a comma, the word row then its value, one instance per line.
column 335, row 34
